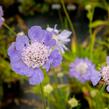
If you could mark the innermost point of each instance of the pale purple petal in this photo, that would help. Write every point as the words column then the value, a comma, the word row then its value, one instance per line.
column 107, row 88
column 1, row 21
column 35, row 33
column 47, row 39
column 1, row 11
column 57, row 61
column 17, row 66
column 36, row 78
column 95, row 77
column 65, row 34
column 73, row 73
column 20, row 68
column 107, row 60
column 47, row 65
column 21, row 42
column 11, row 49
column 13, row 54
column 56, row 58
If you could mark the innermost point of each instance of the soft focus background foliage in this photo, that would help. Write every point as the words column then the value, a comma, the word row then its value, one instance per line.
column 89, row 22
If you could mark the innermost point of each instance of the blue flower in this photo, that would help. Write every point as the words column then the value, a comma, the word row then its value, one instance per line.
column 62, row 38
column 31, row 53
column 84, row 70
column 1, row 16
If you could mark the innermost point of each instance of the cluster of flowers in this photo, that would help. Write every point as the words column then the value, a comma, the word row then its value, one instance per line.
column 42, row 49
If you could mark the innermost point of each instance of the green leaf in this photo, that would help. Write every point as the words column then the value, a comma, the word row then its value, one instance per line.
column 99, row 23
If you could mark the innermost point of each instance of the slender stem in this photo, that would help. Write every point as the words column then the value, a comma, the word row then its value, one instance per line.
column 68, row 18
column 42, row 96
column 102, row 88
column 74, row 39
column 92, row 37
column 48, row 104
column 6, row 26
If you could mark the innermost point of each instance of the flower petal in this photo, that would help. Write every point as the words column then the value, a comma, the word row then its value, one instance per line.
column 65, row 34
column 35, row 33
column 11, row 49
column 48, row 41
column 107, row 60
column 1, row 21
column 47, row 65
column 56, row 58
column 107, row 88
column 21, row 42
column 14, row 55
column 1, row 11
column 22, row 69
column 95, row 77
column 37, row 77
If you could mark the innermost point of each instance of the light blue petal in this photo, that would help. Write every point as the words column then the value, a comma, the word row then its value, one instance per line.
column 21, row 42
column 107, row 60
column 56, row 57
column 107, row 88
column 47, row 65
column 12, row 53
column 36, row 78
column 95, row 77
column 47, row 39
column 35, row 33
column 22, row 69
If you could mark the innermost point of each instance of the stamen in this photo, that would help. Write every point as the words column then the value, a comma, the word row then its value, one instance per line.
column 82, row 67
column 35, row 55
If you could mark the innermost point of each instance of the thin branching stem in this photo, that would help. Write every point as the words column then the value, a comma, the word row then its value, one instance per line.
column 74, row 38
column 10, row 30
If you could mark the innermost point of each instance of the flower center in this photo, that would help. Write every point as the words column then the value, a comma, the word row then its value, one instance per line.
column 105, row 74
column 82, row 67
column 35, row 55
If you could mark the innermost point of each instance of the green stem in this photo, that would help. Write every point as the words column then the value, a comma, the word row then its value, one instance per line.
column 48, row 104
column 6, row 26
column 102, row 88
column 74, row 38
column 68, row 18
column 92, row 37
column 42, row 96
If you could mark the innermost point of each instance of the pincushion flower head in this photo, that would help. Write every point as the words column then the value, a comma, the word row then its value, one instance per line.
column 105, row 73
column 62, row 38
column 1, row 16
column 31, row 53
column 84, row 70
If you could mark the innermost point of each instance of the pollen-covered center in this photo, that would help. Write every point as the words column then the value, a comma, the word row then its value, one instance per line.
column 35, row 55
column 105, row 74
column 82, row 67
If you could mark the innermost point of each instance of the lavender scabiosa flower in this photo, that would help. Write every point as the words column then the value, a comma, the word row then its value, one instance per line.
column 1, row 16
column 62, row 38
column 31, row 53
column 84, row 70
column 105, row 73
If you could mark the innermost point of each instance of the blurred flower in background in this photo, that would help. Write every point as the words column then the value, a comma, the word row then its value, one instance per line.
column 84, row 70
column 105, row 73
column 73, row 102
column 1, row 16
column 48, row 89
column 31, row 52
column 62, row 38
